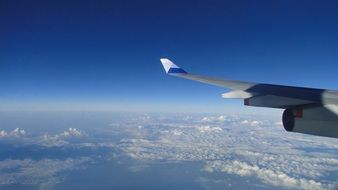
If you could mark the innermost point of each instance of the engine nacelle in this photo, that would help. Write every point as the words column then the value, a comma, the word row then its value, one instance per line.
column 319, row 121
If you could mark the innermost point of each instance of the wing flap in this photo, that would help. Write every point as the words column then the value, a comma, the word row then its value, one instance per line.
column 272, row 101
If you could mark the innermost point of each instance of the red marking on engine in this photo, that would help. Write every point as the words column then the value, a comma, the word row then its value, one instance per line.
column 299, row 113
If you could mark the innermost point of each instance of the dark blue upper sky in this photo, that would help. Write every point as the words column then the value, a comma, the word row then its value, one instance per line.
column 105, row 54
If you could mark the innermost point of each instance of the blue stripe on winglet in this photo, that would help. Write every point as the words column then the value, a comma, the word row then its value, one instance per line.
column 176, row 70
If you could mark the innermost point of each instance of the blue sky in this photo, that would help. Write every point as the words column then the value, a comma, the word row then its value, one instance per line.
column 104, row 55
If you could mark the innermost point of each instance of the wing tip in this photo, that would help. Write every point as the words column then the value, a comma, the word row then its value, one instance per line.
column 171, row 68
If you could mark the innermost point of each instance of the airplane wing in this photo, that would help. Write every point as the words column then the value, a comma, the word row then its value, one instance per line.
column 275, row 96
column 313, row 104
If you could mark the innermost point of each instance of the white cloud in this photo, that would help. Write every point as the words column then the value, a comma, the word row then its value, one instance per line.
column 17, row 132
column 268, row 153
column 245, row 122
column 279, row 124
column 207, row 119
column 222, row 118
column 3, row 133
column 51, row 140
column 253, row 123
column 177, row 132
column 59, row 139
column 42, row 173
column 207, row 128
column 72, row 132
column 267, row 175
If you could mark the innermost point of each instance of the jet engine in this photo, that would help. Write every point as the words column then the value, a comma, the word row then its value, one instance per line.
column 319, row 120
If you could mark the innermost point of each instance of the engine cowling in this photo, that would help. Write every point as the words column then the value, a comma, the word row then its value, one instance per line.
column 319, row 121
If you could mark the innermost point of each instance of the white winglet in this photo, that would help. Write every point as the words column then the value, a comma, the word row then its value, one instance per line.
column 170, row 67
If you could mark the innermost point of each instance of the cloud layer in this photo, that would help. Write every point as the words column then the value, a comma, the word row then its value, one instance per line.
column 42, row 173
column 244, row 146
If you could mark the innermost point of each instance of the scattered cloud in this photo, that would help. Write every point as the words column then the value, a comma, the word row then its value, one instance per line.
column 253, row 123
column 72, row 132
column 41, row 173
column 207, row 128
column 60, row 139
column 279, row 124
column 3, row 133
column 17, row 132
column 244, row 146
column 207, row 119
column 267, row 175
column 226, row 144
